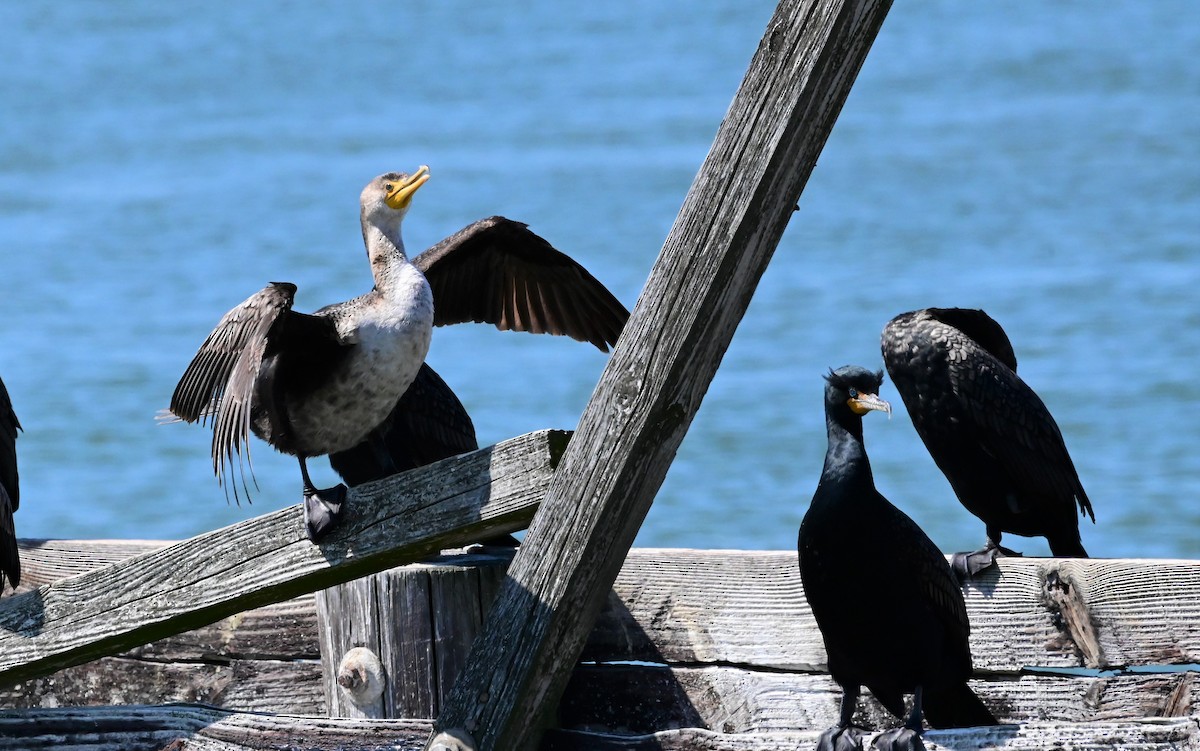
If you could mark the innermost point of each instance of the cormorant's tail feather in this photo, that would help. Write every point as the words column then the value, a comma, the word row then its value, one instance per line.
column 955, row 706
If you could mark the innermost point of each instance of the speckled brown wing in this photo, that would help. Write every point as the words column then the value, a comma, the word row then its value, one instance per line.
column 10, row 492
column 498, row 271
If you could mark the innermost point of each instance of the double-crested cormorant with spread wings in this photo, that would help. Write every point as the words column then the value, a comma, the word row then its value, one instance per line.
column 889, row 609
column 329, row 382
column 986, row 429
column 10, row 493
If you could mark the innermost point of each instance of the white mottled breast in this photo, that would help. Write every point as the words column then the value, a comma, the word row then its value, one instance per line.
column 390, row 334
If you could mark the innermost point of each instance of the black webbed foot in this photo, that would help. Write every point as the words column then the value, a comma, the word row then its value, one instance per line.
column 323, row 510
column 899, row 739
column 841, row 738
column 968, row 565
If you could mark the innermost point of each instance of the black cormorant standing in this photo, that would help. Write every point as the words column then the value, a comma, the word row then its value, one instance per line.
column 890, row 611
column 986, row 429
column 10, row 492
column 326, row 382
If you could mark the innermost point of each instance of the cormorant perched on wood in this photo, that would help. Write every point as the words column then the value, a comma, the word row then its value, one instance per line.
column 321, row 383
column 986, row 429
column 890, row 611
column 10, row 492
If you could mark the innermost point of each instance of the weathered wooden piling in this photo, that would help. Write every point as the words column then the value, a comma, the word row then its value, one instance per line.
column 420, row 620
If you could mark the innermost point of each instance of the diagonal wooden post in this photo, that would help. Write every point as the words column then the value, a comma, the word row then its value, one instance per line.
column 716, row 252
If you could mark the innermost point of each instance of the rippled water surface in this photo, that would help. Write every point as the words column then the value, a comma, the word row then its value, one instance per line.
column 160, row 162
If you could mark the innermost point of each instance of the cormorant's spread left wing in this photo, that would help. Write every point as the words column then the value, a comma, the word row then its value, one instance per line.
column 498, row 271
column 222, row 380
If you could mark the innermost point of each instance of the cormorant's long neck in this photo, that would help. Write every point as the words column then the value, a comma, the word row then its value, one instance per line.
column 846, row 458
column 386, row 251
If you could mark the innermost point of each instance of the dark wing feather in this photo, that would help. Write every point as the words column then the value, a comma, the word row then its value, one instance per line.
column 242, row 329
column 937, row 584
column 428, row 424
column 8, row 448
column 222, row 380
column 1013, row 425
column 10, row 496
column 982, row 328
column 497, row 271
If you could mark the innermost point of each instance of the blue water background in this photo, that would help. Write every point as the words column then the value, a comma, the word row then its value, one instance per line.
column 159, row 162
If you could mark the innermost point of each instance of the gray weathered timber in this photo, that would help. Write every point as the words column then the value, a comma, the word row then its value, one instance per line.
column 748, row 608
column 45, row 561
column 278, row 686
column 1131, row 735
column 196, row 728
column 427, row 616
column 635, row 699
column 269, row 559
column 720, row 244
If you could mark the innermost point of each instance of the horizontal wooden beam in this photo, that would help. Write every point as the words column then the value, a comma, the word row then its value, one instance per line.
column 1143, row 735
column 739, row 607
column 268, row 559
column 197, row 728
column 748, row 608
column 633, row 699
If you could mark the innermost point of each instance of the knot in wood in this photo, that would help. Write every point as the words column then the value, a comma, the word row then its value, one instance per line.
column 360, row 675
column 455, row 739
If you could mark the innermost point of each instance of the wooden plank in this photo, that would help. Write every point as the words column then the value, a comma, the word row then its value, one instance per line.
column 684, row 606
column 45, row 561
column 281, row 686
column 195, row 728
column 720, row 244
column 641, row 699
column 198, row 728
column 748, row 608
column 269, row 559
column 1130, row 735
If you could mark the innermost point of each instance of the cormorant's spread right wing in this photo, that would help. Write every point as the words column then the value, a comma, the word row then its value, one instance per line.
column 498, row 271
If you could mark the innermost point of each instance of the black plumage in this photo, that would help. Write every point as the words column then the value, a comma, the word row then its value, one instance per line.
column 889, row 609
column 428, row 424
column 10, row 491
column 986, row 429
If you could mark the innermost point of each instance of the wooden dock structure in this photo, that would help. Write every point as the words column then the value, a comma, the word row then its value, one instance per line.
column 239, row 638
column 693, row 649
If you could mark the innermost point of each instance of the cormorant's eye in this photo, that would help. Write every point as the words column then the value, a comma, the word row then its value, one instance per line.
column 853, row 393
column 387, row 187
